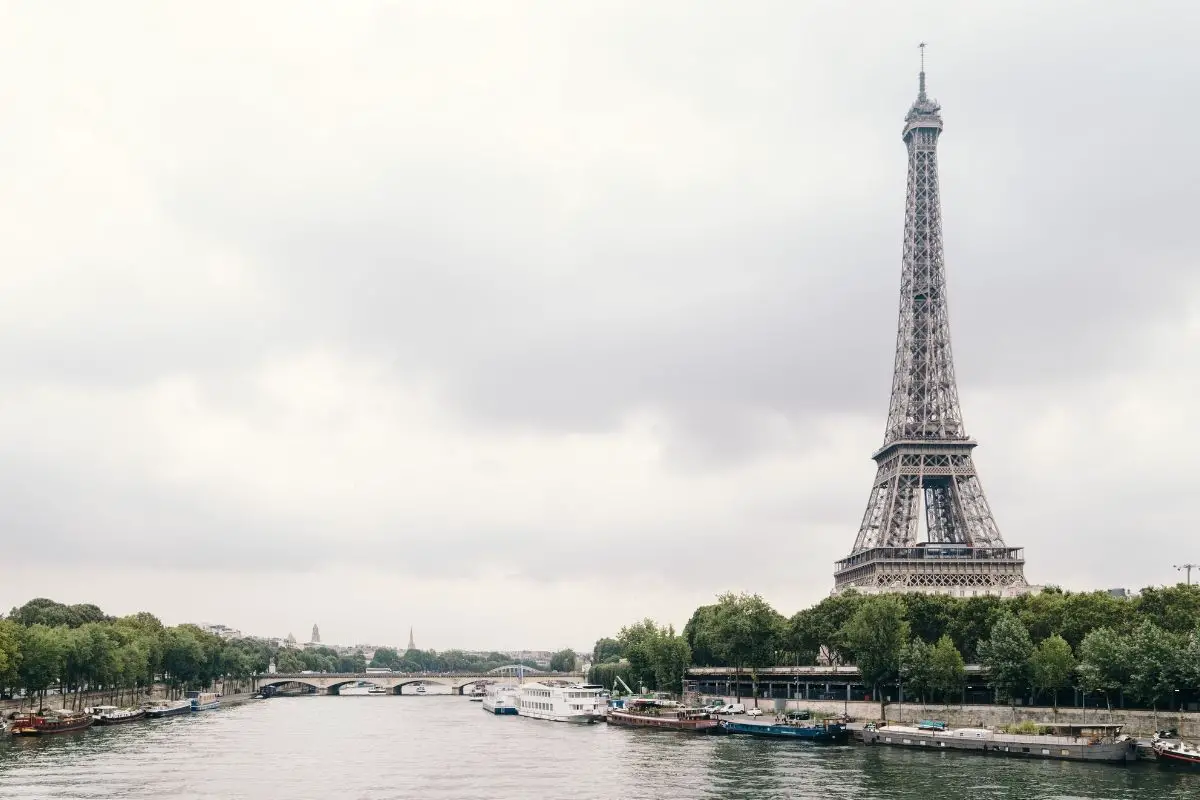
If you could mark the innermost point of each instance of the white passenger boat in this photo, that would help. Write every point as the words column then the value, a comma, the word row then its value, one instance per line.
column 501, row 699
column 567, row 703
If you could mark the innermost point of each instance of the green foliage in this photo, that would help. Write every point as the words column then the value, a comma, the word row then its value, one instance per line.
column 1154, row 663
column 1026, row 728
column 1006, row 654
column 947, row 670
column 698, row 633
column 743, row 630
column 42, row 657
column 1175, row 609
column 41, row 611
column 916, row 668
column 657, row 656
column 10, row 653
column 875, row 635
column 1105, row 662
column 606, row 674
column 563, row 661
column 1051, row 665
column 606, row 651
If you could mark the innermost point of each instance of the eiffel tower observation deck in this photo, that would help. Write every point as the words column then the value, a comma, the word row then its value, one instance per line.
column 925, row 470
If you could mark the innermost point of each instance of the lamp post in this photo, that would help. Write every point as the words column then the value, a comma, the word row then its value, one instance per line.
column 1187, row 568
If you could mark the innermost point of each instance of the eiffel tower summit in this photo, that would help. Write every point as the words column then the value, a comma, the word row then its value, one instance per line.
column 925, row 468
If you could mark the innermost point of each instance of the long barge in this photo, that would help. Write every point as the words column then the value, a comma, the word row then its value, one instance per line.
column 1069, row 742
column 662, row 715
column 819, row 732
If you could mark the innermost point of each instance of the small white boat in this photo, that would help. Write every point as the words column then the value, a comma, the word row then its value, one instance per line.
column 476, row 694
column 502, row 699
column 420, row 688
column 362, row 688
column 577, row 702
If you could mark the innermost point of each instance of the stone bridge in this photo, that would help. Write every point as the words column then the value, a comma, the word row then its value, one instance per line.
column 332, row 682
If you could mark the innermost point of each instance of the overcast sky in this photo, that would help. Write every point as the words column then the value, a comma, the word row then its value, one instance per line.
column 516, row 322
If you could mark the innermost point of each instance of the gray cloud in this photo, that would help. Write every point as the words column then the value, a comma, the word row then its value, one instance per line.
column 519, row 231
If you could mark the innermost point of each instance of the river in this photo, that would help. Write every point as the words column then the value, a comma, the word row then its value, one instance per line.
column 435, row 748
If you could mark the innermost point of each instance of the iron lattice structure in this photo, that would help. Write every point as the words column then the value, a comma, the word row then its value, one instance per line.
column 926, row 455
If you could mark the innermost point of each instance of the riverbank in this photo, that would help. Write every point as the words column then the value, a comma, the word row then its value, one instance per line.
column 1137, row 723
column 86, row 699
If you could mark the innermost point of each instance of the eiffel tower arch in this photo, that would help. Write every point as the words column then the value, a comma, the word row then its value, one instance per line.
column 925, row 469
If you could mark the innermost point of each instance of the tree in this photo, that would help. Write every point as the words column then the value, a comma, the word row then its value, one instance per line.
column 745, row 632
column 916, row 668
column 10, row 653
column 1174, row 609
column 657, row 656
column 563, row 661
column 875, row 635
column 288, row 662
column 698, row 632
column 355, row 663
column 606, row 651
column 41, row 659
column 385, row 658
column 824, row 629
column 1104, row 662
column 1005, row 655
column 1051, row 666
column 1153, row 658
column 973, row 623
column 606, row 674
column 947, row 671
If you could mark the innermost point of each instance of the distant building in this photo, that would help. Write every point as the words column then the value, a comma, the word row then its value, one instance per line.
column 316, row 637
column 1122, row 593
column 291, row 640
column 223, row 631
column 411, row 645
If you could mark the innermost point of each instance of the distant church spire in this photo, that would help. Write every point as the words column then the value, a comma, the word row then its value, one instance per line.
column 411, row 645
column 316, row 637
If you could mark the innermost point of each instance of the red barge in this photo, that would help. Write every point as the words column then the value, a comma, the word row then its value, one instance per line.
column 664, row 715
column 47, row 722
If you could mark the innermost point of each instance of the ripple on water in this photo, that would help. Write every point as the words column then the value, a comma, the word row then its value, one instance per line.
column 443, row 748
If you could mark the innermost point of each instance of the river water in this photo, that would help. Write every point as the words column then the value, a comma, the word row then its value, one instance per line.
column 435, row 748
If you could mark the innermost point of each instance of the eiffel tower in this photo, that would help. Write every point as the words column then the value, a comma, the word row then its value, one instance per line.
column 925, row 459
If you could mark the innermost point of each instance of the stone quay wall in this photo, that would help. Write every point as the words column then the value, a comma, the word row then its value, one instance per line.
column 1139, row 723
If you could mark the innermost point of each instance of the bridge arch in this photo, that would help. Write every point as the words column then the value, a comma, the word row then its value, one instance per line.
column 289, row 682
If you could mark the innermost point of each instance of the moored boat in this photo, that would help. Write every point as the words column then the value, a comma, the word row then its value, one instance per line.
column 501, row 700
column 1175, row 752
column 817, row 731
column 560, row 703
column 644, row 712
column 1069, row 742
column 47, row 722
column 111, row 715
column 204, row 701
column 168, row 708
column 476, row 694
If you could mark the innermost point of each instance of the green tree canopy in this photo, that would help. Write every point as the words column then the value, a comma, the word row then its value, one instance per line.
column 1051, row 665
column 563, row 661
column 947, row 670
column 1005, row 655
column 875, row 635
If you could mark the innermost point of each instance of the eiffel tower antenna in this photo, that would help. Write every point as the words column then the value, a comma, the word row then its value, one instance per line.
column 924, row 468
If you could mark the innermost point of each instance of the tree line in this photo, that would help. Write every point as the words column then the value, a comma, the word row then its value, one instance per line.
column 1145, row 648
column 78, row 648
